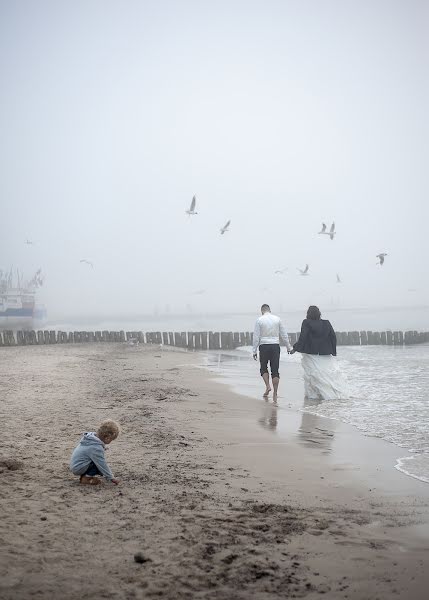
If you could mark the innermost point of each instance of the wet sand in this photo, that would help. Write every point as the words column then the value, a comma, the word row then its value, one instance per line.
column 217, row 506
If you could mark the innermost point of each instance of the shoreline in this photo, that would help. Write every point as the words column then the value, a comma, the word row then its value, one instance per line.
column 340, row 447
column 291, row 388
column 220, row 508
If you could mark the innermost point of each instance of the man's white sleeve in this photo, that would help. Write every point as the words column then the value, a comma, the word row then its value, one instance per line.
column 256, row 337
column 284, row 336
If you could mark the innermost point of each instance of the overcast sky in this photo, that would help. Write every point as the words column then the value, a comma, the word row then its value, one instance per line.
column 278, row 115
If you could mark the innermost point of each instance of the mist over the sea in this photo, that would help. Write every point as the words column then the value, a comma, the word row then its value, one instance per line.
column 278, row 116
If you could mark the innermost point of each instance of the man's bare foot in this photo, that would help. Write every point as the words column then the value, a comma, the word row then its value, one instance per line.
column 275, row 398
column 85, row 480
column 267, row 391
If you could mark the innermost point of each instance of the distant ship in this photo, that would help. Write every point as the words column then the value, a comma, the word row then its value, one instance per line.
column 18, row 308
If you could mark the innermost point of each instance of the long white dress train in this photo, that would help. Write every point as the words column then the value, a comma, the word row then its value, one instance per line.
column 322, row 378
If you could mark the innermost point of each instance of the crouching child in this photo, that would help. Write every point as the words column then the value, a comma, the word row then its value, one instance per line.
column 88, row 459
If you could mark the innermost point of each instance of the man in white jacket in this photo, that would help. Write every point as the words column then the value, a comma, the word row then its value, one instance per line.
column 269, row 330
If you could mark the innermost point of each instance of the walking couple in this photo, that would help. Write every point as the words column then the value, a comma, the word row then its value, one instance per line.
column 317, row 343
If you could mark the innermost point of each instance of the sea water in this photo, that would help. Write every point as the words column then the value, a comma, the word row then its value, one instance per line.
column 388, row 394
column 389, row 398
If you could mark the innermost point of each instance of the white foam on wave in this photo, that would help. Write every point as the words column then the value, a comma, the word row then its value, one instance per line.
column 400, row 466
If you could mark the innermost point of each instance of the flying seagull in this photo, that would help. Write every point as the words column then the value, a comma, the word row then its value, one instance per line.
column 280, row 271
column 304, row 271
column 381, row 257
column 87, row 262
column 225, row 227
column 331, row 232
column 338, row 279
column 191, row 210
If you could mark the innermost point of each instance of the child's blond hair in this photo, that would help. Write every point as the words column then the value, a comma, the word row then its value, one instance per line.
column 109, row 429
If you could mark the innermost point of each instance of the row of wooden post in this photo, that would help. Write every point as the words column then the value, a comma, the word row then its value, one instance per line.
column 200, row 340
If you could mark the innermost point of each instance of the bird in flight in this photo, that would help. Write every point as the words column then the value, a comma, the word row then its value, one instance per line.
column 331, row 232
column 87, row 262
column 381, row 258
column 280, row 271
column 304, row 271
column 225, row 227
column 338, row 279
column 191, row 210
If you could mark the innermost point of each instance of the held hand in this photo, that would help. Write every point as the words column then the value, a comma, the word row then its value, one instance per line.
column 115, row 481
column 255, row 356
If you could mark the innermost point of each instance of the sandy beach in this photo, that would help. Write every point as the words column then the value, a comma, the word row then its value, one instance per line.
column 216, row 507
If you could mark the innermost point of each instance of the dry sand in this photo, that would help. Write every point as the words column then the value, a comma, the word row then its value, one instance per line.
column 215, row 509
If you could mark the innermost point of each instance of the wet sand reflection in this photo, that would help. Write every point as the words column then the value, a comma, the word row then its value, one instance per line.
column 276, row 417
column 311, row 433
column 269, row 417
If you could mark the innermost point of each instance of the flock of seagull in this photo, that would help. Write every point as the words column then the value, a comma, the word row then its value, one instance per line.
column 304, row 272
column 191, row 211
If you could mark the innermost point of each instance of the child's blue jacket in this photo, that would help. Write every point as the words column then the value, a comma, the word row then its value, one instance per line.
column 90, row 448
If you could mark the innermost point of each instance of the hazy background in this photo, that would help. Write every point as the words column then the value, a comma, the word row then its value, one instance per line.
column 278, row 115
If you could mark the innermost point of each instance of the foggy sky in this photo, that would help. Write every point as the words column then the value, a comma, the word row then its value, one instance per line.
column 278, row 115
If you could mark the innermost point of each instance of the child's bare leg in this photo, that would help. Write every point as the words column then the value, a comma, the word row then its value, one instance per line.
column 266, row 379
column 89, row 480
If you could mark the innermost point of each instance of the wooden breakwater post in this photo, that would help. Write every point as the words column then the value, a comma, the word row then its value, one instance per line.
column 342, row 338
column 9, row 338
column 197, row 341
column 376, row 338
column 398, row 338
column 214, row 340
column 236, row 340
column 190, row 340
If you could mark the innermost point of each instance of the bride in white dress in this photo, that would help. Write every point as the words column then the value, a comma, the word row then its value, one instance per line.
column 318, row 346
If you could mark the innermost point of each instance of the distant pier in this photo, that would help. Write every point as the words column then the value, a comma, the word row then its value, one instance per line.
column 200, row 340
